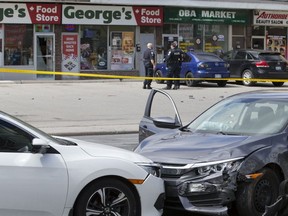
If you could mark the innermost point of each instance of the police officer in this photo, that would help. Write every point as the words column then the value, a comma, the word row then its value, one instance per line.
column 149, row 63
column 174, row 62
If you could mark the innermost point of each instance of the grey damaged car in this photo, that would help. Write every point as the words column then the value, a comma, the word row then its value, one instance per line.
column 229, row 160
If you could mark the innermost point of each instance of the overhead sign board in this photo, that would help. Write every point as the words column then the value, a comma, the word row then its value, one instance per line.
column 198, row 15
column 270, row 18
column 114, row 15
column 30, row 13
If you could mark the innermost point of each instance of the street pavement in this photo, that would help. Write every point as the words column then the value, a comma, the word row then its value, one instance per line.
column 87, row 107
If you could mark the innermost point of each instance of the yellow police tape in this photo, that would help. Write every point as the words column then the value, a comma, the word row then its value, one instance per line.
column 9, row 70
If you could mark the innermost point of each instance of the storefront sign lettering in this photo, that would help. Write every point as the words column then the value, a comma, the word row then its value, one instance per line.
column 218, row 14
column 70, row 12
column 184, row 15
column 148, row 15
column 116, row 15
column 30, row 13
column 272, row 18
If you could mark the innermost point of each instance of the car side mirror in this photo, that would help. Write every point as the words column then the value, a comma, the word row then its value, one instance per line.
column 40, row 146
column 165, row 122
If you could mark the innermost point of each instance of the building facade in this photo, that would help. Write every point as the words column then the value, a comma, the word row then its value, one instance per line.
column 109, row 38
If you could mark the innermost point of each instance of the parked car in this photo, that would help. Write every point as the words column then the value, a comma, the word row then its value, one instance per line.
column 257, row 64
column 198, row 65
column 231, row 158
column 44, row 175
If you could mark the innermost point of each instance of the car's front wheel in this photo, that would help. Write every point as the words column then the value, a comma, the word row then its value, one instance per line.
column 247, row 74
column 278, row 84
column 106, row 197
column 158, row 74
column 189, row 80
column 252, row 197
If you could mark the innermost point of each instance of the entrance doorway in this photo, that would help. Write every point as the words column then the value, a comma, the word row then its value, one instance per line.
column 258, row 43
column 45, row 55
column 145, row 38
column 167, row 40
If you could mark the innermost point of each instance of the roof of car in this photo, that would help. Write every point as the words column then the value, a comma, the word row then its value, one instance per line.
column 269, row 93
column 256, row 50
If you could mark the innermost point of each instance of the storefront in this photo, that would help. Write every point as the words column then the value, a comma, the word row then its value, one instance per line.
column 207, row 30
column 73, row 38
column 269, row 31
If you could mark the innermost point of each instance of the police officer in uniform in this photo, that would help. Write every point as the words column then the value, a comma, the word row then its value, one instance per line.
column 174, row 61
column 149, row 63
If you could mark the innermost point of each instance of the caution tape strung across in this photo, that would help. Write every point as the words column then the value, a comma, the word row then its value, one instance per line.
column 9, row 70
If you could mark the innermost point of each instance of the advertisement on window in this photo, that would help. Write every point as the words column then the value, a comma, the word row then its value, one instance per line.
column 122, row 49
column 70, row 56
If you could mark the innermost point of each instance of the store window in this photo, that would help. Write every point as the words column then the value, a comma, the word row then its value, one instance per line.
column 216, row 38
column 93, row 48
column 191, row 36
column 276, row 39
column 238, row 37
column 18, row 45
column 122, row 43
column 170, row 29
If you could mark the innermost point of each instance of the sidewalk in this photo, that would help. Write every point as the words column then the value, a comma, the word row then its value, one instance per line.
column 80, row 107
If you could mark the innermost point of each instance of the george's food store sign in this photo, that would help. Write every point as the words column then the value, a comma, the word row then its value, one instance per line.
column 271, row 18
column 30, row 13
column 80, row 14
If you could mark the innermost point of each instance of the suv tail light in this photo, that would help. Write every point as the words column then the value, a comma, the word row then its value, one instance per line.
column 261, row 64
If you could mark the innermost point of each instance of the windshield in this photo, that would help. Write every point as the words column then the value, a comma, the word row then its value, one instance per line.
column 243, row 116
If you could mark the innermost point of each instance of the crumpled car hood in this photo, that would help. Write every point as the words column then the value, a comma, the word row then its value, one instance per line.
column 186, row 147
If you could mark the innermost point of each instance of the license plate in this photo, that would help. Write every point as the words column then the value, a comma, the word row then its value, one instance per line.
column 278, row 68
column 218, row 76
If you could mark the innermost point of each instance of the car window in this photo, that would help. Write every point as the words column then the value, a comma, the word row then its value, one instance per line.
column 270, row 57
column 249, row 116
column 186, row 58
column 208, row 57
column 13, row 139
column 240, row 55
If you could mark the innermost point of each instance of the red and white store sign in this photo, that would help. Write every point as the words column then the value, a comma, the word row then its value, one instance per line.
column 271, row 18
column 80, row 14
column 30, row 13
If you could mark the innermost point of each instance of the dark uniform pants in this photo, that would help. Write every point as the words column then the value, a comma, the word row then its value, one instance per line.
column 148, row 73
column 173, row 72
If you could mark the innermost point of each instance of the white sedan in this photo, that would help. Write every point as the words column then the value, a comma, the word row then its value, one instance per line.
column 42, row 175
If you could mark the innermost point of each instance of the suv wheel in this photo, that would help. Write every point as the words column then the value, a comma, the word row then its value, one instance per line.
column 247, row 74
column 278, row 84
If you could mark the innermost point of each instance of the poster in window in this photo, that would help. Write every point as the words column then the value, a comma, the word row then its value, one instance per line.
column 70, row 58
column 122, row 44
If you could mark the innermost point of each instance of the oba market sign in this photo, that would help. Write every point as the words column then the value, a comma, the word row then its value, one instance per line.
column 271, row 18
column 212, row 16
column 30, row 13
column 115, row 15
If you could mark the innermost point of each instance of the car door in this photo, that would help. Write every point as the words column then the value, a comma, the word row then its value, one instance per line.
column 160, row 114
column 235, row 59
column 31, row 184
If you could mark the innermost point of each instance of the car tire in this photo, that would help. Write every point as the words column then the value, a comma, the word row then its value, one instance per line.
column 252, row 197
column 222, row 83
column 278, row 84
column 119, row 199
column 158, row 74
column 247, row 74
column 188, row 80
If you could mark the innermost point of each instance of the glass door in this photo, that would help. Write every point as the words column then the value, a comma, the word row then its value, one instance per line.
column 167, row 40
column 45, row 55
column 258, row 42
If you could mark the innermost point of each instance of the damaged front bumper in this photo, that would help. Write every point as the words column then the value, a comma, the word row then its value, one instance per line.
column 210, row 193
